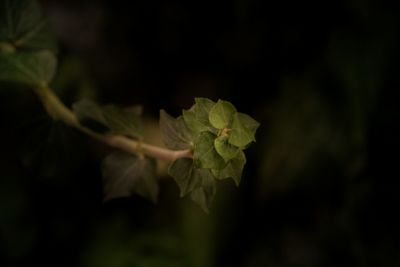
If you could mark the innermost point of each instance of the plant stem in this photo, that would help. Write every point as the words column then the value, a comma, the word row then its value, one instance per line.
column 55, row 108
column 58, row 111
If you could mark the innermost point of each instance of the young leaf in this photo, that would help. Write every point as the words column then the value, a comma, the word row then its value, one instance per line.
column 205, row 155
column 249, row 123
column 124, row 122
column 202, row 109
column 221, row 114
column 23, row 25
column 196, row 118
column 234, row 169
column 90, row 115
column 31, row 68
column 224, row 149
column 192, row 122
column 186, row 175
column 204, row 195
column 124, row 174
column 109, row 118
column 243, row 130
column 174, row 132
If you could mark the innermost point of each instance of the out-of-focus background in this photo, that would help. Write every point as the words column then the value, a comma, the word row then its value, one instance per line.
column 321, row 185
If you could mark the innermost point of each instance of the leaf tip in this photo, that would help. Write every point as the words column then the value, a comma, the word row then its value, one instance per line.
column 237, row 181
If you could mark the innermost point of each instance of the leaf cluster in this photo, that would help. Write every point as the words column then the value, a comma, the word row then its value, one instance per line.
column 214, row 131
column 217, row 134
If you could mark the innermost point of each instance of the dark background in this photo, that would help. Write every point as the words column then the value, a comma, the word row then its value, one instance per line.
column 321, row 184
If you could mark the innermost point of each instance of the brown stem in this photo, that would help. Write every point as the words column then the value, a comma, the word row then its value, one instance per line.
column 58, row 111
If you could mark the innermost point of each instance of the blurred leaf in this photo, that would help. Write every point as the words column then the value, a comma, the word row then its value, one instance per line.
column 196, row 118
column 23, row 25
column 186, row 175
column 205, row 155
column 124, row 174
column 234, row 169
column 221, row 114
column 224, row 149
column 204, row 195
column 174, row 132
column 32, row 68
column 109, row 118
column 125, row 122
column 90, row 115
column 243, row 130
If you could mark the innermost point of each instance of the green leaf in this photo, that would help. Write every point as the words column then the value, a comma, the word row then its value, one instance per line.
column 175, row 133
column 196, row 118
column 234, row 169
column 215, row 173
column 124, row 174
column 224, row 149
column 202, row 109
column 192, row 122
column 110, row 118
column 205, row 155
column 221, row 114
column 204, row 195
column 124, row 121
column 186, row 175
column 243, row 130
column 249, row 123
column 91, row 115
column 31, row 68
column 23, row 25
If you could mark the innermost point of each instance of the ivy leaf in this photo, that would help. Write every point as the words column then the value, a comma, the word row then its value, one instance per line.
column 224, row 149
column 31, row 68
column 234, row 169
column 205, row 155
column 192, row 122
column 186, row 175
column 175, row 133
column 221, row 114
column 248, row 122
column 22, row 25
column 205, row 194
column 90, row 115
column 203, row 107
column 196, row 118
column 243, row 130
column 124, row 174
column 109, row 118
column 125, row 122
